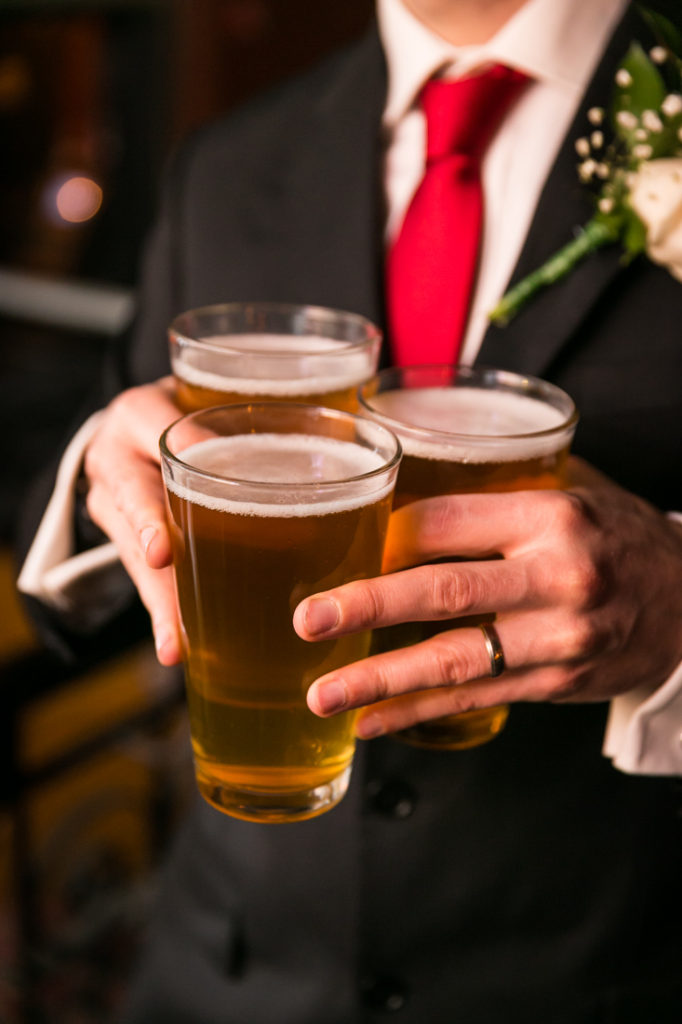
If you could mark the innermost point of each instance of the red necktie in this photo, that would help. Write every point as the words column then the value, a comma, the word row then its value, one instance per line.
column 432, row 264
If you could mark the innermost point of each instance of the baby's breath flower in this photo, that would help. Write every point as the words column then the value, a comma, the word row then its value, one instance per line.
column 642, row 151
column 626, row 119
column 595, row 115
column 658, row 54
column 672, row 104
column 652, row 121
column 602, row 171
column 582, row 147
column 641, row 134
column 597, row 139
column 606, row 204
column 623, row 78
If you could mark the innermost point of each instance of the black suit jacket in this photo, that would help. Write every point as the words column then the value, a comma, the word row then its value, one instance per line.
column 525, row 880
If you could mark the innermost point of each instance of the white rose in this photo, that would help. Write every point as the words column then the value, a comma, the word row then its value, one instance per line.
column 656, row 198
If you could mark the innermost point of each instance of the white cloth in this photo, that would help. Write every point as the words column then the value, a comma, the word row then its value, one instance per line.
column 556, row 42
column 84, row 588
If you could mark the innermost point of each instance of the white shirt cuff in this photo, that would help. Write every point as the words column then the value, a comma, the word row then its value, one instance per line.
column 644, row 730
column 85, row 588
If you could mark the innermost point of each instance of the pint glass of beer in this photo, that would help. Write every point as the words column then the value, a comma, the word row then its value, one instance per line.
column 467, row 429
column 262, row 351
column 268, row 504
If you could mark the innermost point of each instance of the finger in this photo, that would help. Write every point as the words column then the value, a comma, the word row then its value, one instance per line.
column 425, row 593
column 426, row 705
column 136, row 493
column 157, row 591
column 432, row 663
column 552, row 640
column 470, row 526
column 123, row 460
column 156, row 586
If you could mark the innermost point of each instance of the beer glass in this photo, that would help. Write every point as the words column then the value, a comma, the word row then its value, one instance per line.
column 268, row 504
column 467, row 429
column 263, row 351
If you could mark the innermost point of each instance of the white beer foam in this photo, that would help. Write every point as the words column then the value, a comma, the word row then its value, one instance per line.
column 286, row 459
column 278, row 376
column 520, row 422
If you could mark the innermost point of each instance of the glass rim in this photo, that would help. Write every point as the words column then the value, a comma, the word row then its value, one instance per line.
column 373, row 334
column 291, row 407
column 434, row 434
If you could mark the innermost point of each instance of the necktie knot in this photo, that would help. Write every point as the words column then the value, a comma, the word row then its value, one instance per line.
column 463, row 115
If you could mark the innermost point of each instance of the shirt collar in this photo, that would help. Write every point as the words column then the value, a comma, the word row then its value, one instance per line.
column 555, row 41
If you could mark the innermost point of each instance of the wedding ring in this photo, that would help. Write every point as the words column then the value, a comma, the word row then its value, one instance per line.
column 494, row 649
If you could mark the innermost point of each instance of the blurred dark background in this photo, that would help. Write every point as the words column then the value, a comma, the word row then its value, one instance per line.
column 93, row 97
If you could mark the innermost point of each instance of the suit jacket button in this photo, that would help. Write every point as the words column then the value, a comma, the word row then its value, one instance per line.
column 391, row 798
column 384, row 993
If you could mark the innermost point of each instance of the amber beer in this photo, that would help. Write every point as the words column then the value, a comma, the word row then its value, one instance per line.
column 271, row 504
column 255, row 352
column 466, row 430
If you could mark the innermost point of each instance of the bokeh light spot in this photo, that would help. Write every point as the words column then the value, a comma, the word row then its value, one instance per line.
column 78, row 199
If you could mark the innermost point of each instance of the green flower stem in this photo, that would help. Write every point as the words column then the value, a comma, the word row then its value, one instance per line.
column 596, row 233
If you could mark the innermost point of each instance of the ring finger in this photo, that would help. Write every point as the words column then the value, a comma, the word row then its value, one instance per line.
column 451, row 658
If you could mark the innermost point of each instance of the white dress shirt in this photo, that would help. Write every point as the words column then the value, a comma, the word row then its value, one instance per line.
column 557, row 43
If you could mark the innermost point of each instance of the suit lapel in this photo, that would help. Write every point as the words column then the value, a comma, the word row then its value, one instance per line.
column 532, row 340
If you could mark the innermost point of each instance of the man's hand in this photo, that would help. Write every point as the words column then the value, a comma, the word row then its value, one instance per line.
column 587, row 598
column 126, row 499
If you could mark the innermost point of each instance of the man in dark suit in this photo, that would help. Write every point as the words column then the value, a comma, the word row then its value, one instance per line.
column 524, row 880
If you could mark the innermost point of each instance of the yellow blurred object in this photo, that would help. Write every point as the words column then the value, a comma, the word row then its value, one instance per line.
column 97, row 773
column 16, row 633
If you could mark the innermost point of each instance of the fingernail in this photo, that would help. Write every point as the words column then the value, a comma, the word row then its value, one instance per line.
column 163, row 638
column 147, row 535
column 320, row 615
column 331, row 696
column 369, row 726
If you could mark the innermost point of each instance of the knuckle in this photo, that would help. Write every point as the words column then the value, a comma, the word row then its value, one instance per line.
column 92, row 461
column 383, row 688
column 459, row 700
column 584, row 638
column 568, row 684
column 119, row 407
column 584, row 582
column 371, row 604
column 377, row 686
column 440, row 518
column 119, row 493
column 125, row 401
column 453, row 591
column 451, row 664
column 93, row 503
column 570, row 513
column 123, row 410
column 132, row 503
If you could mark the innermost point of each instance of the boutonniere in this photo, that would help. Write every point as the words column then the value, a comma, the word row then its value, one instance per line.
column 636, row 176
